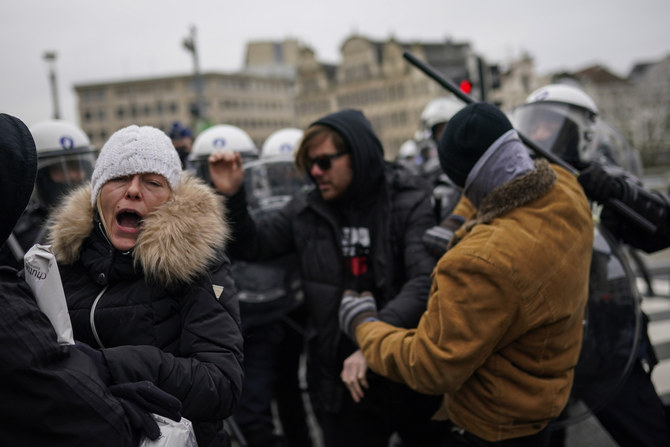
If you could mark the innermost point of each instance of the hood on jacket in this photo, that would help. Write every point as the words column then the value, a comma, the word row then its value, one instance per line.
column 18, row 168
column 178, row 241
column 367, row 153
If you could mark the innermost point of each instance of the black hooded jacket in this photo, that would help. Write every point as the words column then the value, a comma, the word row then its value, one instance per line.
column 385, row 198
column 51, row 395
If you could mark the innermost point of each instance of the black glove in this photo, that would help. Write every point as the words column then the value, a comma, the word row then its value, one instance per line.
column 98, row 358
column 599, row 185
column 354, row 310
column 139, row 399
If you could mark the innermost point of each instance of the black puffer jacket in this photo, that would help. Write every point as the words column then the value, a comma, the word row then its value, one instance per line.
column 400, row 210
column 167, row 311
column 51, row 395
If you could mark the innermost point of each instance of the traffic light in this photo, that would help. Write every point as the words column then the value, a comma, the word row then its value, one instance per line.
column 465, row 86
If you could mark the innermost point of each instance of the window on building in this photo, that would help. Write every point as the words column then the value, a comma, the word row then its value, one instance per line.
column 92, row 95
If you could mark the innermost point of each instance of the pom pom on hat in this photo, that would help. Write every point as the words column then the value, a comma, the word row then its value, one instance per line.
column 469, row 133
column 136, row 150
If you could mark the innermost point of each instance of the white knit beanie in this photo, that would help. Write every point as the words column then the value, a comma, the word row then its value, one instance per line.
column 136, row 150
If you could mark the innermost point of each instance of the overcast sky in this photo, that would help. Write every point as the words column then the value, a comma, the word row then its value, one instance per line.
column 99, row 41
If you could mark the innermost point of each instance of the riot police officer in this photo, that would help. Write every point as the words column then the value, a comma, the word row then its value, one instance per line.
column 65, row 159
column 562, row 119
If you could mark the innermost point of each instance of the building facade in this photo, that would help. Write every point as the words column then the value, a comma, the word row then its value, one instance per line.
column 258, row 105
column 374, row 77
column 259, row 99
column 517, row 81
column 284, row 85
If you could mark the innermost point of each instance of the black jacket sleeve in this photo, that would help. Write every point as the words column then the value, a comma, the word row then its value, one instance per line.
column 51, row 394
column 206, row 374
column 414, row 217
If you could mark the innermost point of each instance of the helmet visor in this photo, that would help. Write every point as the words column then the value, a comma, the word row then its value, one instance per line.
column 59, row 174
column 548, row 125
column 201, row 166
column 270, row 183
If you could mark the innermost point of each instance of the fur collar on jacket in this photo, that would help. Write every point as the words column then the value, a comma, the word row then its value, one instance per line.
column 511, row 195
column 178, row 242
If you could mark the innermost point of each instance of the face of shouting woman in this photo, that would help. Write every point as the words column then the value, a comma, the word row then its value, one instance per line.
column 124, row 203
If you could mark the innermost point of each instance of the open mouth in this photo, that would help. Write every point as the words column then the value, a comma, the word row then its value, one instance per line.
column 129, row 219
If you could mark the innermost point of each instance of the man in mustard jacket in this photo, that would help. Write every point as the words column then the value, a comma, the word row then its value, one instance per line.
column 502, row 331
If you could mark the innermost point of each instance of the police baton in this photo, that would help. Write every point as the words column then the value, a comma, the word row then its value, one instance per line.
column 618, row 205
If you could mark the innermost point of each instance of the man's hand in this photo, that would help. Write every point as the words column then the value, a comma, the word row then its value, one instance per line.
column 353, row 375
column 226, row 171
column 354, row 310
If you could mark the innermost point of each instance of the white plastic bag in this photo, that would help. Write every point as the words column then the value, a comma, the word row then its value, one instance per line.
column 43, row 277
column 173, row 434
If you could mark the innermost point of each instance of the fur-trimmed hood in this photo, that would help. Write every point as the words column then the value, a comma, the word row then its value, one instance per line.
column 511, row 195
column 178, row 241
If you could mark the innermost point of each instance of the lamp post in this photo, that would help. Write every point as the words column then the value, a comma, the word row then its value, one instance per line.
column 191, row 45
column 50, row 58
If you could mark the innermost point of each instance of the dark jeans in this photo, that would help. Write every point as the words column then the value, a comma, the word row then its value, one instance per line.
column 458, row 438
column 387, row 407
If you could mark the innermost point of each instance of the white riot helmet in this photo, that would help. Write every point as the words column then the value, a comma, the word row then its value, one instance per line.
column 282, row 142
column 220, row 137
column 408, row 149
column 560, row 119
column 439, row 111
column 409, row 157
column 65, row 159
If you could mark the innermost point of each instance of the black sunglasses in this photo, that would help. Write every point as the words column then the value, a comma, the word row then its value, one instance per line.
column 324, row 162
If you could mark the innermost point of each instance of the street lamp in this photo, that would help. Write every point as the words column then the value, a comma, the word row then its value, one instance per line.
column 50, row 57
column 191, row 45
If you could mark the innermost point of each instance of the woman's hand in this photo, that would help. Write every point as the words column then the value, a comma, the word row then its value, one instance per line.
column 226, row 171
column 353, row 375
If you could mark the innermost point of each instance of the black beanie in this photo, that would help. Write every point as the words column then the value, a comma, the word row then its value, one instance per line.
column 469, row 133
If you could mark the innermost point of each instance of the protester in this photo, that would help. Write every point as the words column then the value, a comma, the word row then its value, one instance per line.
column 502, row 331
column 140, row 251
column 52, row 394
column 360, row 229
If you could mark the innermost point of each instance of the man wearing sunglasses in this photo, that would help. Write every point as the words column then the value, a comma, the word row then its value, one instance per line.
column 358, row 230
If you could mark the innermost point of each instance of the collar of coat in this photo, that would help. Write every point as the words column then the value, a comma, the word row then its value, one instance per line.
column 511, row 195
column 178, row 241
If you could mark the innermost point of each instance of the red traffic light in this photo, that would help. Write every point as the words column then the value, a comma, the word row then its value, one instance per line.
column 465, row 86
